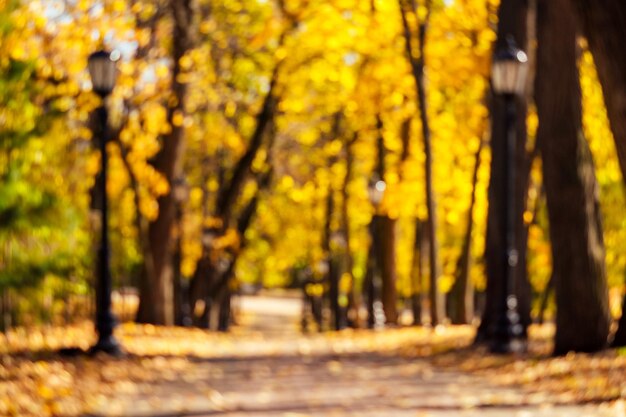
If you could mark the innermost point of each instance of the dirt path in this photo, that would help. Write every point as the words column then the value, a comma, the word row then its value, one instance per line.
column 283, row 373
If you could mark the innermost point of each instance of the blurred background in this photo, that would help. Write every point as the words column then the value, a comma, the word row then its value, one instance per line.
column 352, row 151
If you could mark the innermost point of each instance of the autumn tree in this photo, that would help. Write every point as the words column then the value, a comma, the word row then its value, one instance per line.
column 156, row 298
column 582, row 315
column 415, row 39
column 604, row 25
column 45, row 248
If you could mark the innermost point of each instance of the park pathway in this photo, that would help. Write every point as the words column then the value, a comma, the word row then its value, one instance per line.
column 285, row 374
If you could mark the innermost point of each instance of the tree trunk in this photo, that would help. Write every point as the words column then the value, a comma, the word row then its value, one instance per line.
column 582, row 315
column 181, row 307
column 231, row 191
column 417, row 272
column 437, row 300
column 604, row 25
column 332, row 274
column 461, row 296
column 512, row 21
column 384, row 237
column 369, row 283
column 156, row 304
column 387, row 265
column 353, row 303
column 223, row 321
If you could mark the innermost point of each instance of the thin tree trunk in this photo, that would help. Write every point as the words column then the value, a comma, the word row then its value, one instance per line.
column 461, row 301
column 332, row 275
column 156, row 305
column 230, row 192
column 353, row 303
column 181, row 312
column 417, row 272
column 221, row 282
column 369, row 283
column 141, row 224
column 384, row 235
column 418, row 63
column 582, row 315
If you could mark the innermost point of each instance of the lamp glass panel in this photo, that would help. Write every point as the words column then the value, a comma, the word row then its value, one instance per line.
column 505, row 76
column 376, row 192
column 95, row 71
column 103, row 73
column 522, row 73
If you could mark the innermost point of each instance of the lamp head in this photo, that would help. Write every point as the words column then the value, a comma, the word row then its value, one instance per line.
column 376, row 191
column 103, row 71
column 510, row 67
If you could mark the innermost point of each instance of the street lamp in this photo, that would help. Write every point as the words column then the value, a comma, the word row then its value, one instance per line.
column 102, row 69
column 509, row 80
column 376, row 192
column 375, row 314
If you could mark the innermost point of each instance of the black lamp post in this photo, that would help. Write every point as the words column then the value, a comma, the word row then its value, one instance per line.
column 509, row 80
column 102, row 69
column 375, row 314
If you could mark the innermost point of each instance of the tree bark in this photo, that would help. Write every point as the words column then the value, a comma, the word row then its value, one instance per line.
column 417, row 272
column 604, row 25
column 371, row 274
column 353, row 303
column 461, row 296
column 387, row 263
column 418, row 63
column 156, row 300
column 582, row 317
column 512, row 21
column 332, row 274
column 384, row 234
column 231, row 190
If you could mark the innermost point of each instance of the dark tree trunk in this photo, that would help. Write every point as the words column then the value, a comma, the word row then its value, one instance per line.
column 371, row 273
column 604, row 25
column 229, row 193
column 332, row 274
column 384, row 239
column 512, row 21
column 141, row 224
column 219, row 294
column 417, row 272
column 582, row 316
column 353, row 303
column 223, row 320
column 416, row 57
column 156, row 296
column 461, row 296
column 387, row 263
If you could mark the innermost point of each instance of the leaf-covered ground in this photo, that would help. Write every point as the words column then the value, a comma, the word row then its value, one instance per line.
column 396, row 372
